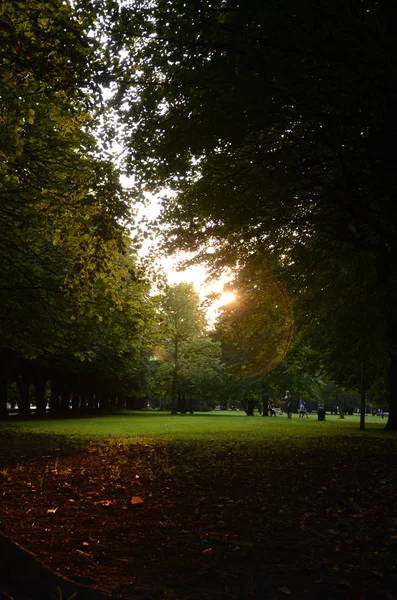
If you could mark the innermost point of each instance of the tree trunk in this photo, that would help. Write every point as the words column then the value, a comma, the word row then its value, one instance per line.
column 182, row 403
column 23, row 385
column 392, row 420
column 39, row 390
column 3, row 399
column 174, row 397
column 55, row 397
column 174, row 385
column 65, row 399
column 99, row 400
column 265, row 400
column 362, row 398
column 265, row 405
column 83, row 403
column 249, row 408
column 75, row 402
column 90, row 402
column 341, row 408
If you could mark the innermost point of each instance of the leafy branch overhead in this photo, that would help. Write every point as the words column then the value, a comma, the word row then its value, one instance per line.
column 275, row 124
column 71, row 286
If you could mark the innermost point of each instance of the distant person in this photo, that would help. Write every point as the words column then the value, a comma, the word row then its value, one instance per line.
column 288, row 404
column 271, row 408
column 303, row 410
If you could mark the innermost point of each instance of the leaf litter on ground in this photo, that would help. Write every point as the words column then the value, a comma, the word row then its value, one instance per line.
column 219, row 520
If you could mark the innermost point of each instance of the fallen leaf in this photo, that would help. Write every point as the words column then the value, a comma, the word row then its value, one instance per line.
column 285, row 591
column 136, row 500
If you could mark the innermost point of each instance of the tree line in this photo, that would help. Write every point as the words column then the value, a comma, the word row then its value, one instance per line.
column 74, row 301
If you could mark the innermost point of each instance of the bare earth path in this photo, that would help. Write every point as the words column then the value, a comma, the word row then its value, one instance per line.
column 312, row 520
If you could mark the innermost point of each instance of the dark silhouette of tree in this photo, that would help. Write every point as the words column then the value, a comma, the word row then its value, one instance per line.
column 275, row 122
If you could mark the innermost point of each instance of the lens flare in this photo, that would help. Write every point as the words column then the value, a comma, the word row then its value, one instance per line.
column 261, row 323
column 277, row 325
column 282, row 328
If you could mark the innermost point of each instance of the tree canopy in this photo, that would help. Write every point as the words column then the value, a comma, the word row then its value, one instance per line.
column 275, row 123
column 72, row 293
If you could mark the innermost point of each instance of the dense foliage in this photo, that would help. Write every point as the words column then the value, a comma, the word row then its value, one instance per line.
column 275, row 122
column 187, row 374
column 70, row 286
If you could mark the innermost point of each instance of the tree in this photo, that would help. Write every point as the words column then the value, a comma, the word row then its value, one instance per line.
column 332, row 396
column 255, row 333
column 275, row 122
column 96, row 361
column 73, row 297
column 259, row 324
column 183, row 323
column 63, row 212
column 201, row 373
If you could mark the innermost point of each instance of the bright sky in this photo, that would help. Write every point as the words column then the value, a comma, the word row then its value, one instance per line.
column 196, row 275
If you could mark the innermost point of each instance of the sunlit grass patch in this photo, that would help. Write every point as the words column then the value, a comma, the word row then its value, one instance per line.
column 217, row 425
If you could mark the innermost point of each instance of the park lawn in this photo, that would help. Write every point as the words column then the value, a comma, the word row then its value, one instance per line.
column 232, row 425
column 214, row 506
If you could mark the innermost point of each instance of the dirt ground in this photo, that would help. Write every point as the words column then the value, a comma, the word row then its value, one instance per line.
column 314, row 520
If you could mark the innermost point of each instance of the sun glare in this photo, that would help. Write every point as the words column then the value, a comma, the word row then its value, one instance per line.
column 226, row 298
column 197, row 274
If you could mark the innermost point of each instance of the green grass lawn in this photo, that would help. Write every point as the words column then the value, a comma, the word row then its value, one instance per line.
column 222, row 425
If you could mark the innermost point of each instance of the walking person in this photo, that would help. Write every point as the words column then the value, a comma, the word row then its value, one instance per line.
column 288, row 404
column 303, row 410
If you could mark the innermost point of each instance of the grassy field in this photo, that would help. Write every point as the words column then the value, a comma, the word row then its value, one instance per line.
column 222, row 425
